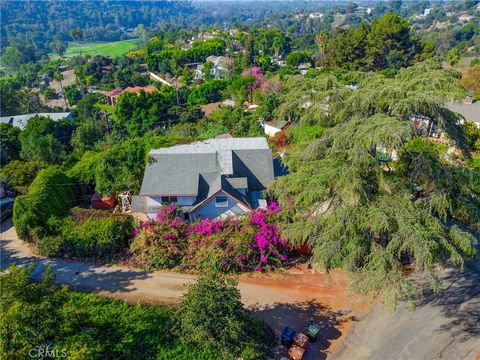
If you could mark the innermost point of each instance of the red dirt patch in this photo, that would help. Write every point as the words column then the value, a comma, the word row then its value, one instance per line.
column 305, row 296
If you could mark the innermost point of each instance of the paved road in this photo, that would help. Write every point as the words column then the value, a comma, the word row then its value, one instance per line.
column 441, row 327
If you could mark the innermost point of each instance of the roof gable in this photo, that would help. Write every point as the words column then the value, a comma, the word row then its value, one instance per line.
column 200, row 168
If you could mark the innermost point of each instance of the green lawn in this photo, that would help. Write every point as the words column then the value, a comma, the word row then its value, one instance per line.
column 115, row 48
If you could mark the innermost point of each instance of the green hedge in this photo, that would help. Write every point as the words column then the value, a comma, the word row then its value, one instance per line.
column 89, row 234
column 52, row 193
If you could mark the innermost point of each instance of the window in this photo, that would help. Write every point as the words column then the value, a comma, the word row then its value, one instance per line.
column 169, row 199
column 221, row 201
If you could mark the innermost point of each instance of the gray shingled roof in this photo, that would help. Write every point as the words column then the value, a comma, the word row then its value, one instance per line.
column 212, row 183
column 176, row 174
column 21, row 121
column 196, row 169
column 470, row 112
column 238, row 182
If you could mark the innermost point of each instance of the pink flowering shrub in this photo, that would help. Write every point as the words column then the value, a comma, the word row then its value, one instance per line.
column 257, row 76
column 159, row 243
column 229, row 245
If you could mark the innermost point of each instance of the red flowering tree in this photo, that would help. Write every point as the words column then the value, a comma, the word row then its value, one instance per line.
column 255, row 74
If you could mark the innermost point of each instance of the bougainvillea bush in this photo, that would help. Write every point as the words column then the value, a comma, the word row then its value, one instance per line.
column 241, row 244
column 159, row 243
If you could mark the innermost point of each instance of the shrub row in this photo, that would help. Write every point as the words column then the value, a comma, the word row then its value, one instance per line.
column 227, row 245
column 88, row 234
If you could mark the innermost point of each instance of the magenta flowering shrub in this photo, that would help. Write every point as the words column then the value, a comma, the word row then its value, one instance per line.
column 159, row 243
column 228, row 245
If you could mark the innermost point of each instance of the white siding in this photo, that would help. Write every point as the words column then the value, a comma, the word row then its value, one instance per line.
column 270, row 130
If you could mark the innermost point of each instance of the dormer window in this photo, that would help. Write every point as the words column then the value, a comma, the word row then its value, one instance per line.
column 221, row 201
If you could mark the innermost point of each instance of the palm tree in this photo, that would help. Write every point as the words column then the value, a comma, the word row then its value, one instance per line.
column 262, row 45
column 278, row 45
column 59, row 77
column 77, row 35
column 321, row 39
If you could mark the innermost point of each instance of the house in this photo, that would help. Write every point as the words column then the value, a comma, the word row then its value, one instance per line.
column 199, row 72
column 465, row 18
column 112, row 96
column 273, row 127
column 208, row 109
column 207, row 179
column 469, row 109
column 21, row 121
column 220, row 68
column 315, row 15
column 236, row 32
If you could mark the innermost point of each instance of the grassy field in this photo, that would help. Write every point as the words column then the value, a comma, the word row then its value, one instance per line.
column 115, row 48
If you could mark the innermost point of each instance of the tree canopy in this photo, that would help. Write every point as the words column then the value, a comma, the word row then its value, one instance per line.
column 373, row 192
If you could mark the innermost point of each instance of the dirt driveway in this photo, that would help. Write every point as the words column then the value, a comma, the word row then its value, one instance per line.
column 287, row 299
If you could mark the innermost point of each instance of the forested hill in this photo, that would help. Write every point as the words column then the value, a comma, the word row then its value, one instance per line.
column 40, row 22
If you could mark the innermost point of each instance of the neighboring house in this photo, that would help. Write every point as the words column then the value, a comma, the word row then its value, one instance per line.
column 273, row 127
column 465, row 18
column 207, row 179
column 159, row 79
column 21, row 121
column 469, row 109
column 112, row 96
column 199, row 72
column 219, row 69
column 315, row 15
column 208, row 109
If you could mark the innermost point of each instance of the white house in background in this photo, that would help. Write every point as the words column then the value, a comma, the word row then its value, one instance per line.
column 21, row 121
column 207, row 179
column 219, row 69
column 315, row 15
column 273, row 127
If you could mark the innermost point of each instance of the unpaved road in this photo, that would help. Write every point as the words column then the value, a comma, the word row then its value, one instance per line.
column 281, row 300
column 441, row 327
column 444, row 327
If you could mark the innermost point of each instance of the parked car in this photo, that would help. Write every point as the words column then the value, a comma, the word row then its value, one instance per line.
column 6, row 208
